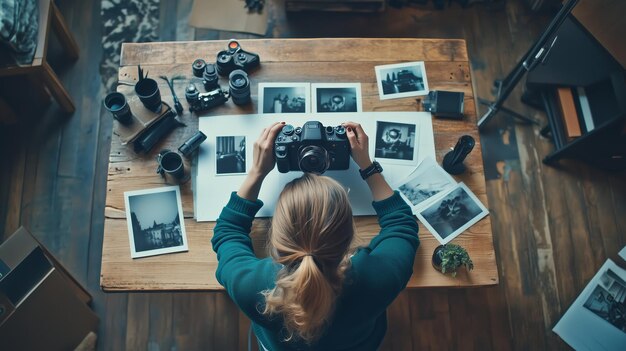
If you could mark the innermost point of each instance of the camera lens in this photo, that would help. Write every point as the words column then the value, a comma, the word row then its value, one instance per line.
column 224, row 63
column 210, row 78
column 313, row 159
column 197, row 67
column 191, row 93
column 239, row 86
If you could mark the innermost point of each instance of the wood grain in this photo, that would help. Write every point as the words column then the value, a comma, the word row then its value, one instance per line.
column 287, row 60
column 542, row 266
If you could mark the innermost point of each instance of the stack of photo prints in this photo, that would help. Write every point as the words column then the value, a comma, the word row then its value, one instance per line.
column 445, row 207
column 395, row 141
column 394, row 81
column 155, row 220
column 596, row 320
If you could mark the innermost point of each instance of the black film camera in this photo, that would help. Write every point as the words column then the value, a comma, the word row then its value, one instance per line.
column 312, row 148
column 234, row 57
column 204, row 101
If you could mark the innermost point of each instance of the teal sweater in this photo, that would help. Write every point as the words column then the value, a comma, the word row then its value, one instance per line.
column 377, row 275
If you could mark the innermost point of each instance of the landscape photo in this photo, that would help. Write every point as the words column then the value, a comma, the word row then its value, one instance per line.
column 401, row 80
column 154, row 221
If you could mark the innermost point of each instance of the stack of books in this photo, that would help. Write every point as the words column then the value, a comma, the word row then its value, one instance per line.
column 584, row 109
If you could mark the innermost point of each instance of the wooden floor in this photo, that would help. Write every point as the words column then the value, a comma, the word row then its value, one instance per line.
column 553, row 228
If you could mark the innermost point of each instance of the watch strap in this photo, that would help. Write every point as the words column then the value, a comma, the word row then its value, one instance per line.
column 372, row 169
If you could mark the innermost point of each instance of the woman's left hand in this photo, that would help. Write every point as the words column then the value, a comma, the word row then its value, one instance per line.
column 263, row 153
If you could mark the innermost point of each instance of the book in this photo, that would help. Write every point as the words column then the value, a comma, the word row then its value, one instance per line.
column 567, row 107
column 585, row 109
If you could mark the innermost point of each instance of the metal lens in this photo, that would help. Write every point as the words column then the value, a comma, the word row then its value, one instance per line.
column 313, row 159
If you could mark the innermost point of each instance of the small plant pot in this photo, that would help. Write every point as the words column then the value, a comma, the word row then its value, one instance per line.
column 437, row 258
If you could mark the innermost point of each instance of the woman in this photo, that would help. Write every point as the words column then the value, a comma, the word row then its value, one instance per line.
column 314, row 292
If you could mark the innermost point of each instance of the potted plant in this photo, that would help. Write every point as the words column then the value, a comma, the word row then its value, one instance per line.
column 448, row 258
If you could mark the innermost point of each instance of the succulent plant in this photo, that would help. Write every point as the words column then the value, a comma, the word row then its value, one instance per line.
column 448, row 258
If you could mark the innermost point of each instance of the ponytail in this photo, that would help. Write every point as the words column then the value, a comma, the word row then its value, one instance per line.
column 311, row 233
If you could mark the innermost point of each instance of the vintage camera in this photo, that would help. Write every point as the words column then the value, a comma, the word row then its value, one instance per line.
column 234, row 57
column 204, row 101
column 312, row 148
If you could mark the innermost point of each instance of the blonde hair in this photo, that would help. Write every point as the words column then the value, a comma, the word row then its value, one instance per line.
column 311, row 233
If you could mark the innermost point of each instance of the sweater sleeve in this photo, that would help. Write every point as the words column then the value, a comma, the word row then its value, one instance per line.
column 238, row 269
column 388, row 260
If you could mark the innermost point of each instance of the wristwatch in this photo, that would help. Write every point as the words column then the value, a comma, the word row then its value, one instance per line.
column 375, row 167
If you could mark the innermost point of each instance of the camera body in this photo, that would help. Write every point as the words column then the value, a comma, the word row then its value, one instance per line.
column 204, row 101
column 312, row 148
column 234, row 57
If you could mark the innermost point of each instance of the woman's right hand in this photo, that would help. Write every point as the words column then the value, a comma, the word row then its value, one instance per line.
column 359, row 143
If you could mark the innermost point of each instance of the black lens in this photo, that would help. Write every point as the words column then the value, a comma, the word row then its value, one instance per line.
column 210, row 78
column 119, row 108
column 198, row 67
column 239, row 85
column 313, row 159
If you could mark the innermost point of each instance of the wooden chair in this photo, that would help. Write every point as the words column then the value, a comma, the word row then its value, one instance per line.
column 39, row 72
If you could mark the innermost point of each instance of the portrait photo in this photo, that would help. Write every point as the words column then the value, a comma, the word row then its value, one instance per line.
column 155, row 221
column 277, row 98
column 401, row 80
column 336, row 97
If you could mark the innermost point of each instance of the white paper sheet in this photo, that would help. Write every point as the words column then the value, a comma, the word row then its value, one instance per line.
column 214, row 191
column 583, row 329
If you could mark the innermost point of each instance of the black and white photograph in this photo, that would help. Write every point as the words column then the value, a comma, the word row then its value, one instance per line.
column 336, row 97
column 422, row 186
column 155, row 221
column 277, row 98
column 452, row 213
column 596, row 319
column 401, row 80
column 608, row 300
column 395, row 142
column 230, row 155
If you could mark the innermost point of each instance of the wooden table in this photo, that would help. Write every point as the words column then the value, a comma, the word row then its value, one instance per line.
column 296, row 60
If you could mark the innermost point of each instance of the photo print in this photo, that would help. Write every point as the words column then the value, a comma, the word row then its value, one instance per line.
column 230, row 155
column 395, row 142
column 155, row 220
column 336, row 97
column 452, row 213
column 421, row 186
column 608, row 300
column 284, row 98
column 401, row 80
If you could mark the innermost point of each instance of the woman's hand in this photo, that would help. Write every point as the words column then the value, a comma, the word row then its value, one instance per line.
column 359, row 143
column 262, row 162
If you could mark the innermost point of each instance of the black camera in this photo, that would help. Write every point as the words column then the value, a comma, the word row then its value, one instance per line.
column 234, row 57
column 312, row 148
column 204, row 101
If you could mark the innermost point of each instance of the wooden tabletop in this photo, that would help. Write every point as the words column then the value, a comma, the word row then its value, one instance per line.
column 286, row 60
